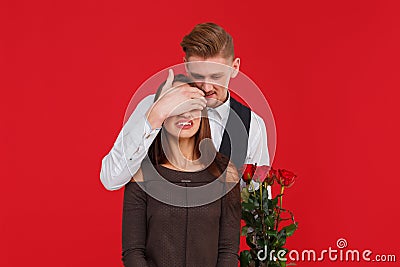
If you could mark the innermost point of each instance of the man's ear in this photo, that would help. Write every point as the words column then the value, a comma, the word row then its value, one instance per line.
column 186, row 65
column 235, row 67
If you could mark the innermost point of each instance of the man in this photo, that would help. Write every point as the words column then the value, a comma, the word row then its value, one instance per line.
column 211, row 63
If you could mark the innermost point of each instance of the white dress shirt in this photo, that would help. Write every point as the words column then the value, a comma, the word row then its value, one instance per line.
column 136, row 136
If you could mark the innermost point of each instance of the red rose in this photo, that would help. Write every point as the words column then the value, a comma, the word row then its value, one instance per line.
column 248, row 172
column 286, row 178
column 271, row 176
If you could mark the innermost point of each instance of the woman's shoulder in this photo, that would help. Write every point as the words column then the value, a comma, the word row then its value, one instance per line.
column 232, row 173
column 137, row 177
column 228, row 168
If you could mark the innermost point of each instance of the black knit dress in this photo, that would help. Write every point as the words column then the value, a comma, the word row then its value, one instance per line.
column 156, row 234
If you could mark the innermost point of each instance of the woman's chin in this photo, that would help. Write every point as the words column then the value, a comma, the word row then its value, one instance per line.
column 184, row 136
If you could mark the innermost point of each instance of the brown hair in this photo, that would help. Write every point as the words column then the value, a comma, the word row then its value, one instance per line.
column 220, row 162
column 208, row 40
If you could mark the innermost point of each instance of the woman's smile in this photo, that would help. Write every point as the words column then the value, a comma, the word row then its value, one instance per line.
column 184, row 124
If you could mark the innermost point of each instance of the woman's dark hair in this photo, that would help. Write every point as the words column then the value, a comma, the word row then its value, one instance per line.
column 220, row 162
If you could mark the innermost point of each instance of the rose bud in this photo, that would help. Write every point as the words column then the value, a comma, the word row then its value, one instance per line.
column 286, row 178
column 248, row 172
column 271, row 176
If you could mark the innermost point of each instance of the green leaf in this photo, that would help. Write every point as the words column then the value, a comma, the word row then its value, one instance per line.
column 245, row 258
column 244, row 230
column 258, row 223
column 281, row 239
column 290, row 229
column 261, row 242
column 245, row 194
column 272, row 233
column 248, row 218
column 249, row 242
column 248, row 206
column 272, row 202
column 256, row 203
column 270, row 220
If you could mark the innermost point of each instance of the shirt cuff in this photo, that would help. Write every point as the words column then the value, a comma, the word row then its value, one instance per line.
column 148, row 126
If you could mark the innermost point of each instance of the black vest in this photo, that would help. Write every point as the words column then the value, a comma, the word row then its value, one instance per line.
column 236, row 133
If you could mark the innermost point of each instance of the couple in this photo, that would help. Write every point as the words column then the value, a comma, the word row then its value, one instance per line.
column 156, row 233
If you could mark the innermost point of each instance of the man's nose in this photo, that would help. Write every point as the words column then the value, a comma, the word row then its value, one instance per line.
column 206, row 87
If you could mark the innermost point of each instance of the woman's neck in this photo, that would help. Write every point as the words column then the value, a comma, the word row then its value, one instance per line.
column 181, row 154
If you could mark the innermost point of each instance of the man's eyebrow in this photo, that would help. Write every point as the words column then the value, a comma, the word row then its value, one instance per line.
column 218, row 74
column 196, row 74
column 212, row 74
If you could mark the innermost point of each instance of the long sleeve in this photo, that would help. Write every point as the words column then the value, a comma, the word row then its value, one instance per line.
column 134, row 226
column 229, row 236
column 257, row 151
column 130, row 148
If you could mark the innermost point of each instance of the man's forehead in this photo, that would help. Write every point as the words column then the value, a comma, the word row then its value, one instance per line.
column 207, row 68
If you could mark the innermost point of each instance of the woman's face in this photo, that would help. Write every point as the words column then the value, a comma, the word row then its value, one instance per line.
column 185, row 125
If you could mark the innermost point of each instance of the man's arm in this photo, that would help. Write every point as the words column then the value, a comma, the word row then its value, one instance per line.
column 257, row 151
column 138, row 133
column 130, row 148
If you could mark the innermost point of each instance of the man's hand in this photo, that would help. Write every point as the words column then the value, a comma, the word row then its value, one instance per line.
column 174, row 101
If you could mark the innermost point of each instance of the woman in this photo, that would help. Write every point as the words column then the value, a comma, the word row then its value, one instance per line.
column 186, row 229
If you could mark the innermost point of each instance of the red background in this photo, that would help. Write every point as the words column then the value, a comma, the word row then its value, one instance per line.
column 329, row 69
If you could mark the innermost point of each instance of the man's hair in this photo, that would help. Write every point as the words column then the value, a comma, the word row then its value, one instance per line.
column 208, row 40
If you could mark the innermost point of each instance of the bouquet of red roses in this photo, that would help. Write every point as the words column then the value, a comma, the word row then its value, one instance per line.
column 263, row 216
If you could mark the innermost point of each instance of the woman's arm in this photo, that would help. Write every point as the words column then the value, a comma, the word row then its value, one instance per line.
column 134, row 223
column 231, row 213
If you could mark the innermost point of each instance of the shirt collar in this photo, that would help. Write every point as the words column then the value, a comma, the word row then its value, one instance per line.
column 223, row 109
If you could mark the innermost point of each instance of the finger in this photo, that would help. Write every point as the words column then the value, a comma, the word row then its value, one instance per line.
column 199, row 101
column 187, row 88
column 195, row 90
column 193, row 104
column 186, row 106
column 197, row 107
column 185, row 92
column 170, row 79
column 196, row 95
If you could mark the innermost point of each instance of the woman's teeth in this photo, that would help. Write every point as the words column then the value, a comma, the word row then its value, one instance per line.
column 185, row 123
